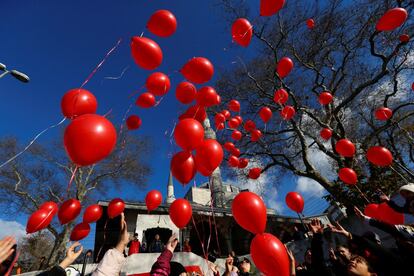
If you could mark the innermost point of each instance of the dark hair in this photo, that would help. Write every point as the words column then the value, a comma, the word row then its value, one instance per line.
column 363, row 260
column 176, row 269
column 136, row 235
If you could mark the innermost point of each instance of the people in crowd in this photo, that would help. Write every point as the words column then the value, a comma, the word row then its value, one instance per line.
column 134, row 245
column 297, row 234
column 243, row 269
column 143, row 247
column 187, row 246
column 87, row 259
column 156, row 245
column 407, row 192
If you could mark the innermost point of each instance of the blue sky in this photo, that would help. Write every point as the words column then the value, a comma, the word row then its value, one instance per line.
column 58, row 43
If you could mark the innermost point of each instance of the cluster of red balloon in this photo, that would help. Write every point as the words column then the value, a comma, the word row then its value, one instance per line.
column 267, row 251
column 383, row 212
column 42, row 217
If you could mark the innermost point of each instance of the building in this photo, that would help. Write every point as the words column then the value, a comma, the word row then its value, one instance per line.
column 212, row 229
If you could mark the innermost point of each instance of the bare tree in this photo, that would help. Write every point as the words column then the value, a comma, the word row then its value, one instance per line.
column 344, row 54
column 44, row 171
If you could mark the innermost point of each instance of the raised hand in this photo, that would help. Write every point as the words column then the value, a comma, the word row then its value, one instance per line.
column 337, row 228
column 316, row 226
column 71, row 255
column 172, row 242
column 359, row 213
column 332, row 255
column 6, row 249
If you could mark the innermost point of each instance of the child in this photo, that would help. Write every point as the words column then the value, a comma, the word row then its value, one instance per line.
column 407, row 192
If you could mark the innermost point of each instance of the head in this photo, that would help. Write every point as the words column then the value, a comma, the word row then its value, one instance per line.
column 177, row 269
column 308, row 256
column 358, row 266
column 157, row 237
column 407, row 191
column 89, row 253
column 344, row 253
column 186, row 241
column 136, row 236
column 245, row 265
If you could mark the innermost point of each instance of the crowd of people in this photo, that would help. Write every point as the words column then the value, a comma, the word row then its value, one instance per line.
column 359, row 255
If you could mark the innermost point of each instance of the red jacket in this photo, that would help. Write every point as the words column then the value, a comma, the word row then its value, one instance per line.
column 133, row 247
column 162, row 266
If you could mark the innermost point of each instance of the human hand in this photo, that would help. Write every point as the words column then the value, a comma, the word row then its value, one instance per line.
column 71, row 255
column 172, row 243
column 316, row 226
column 229, row 264
column 332, row 255
column 337, row 228
column 124, row 237
column 384, row 198
column 359, row 213
column 290, row 255
column 6, row 249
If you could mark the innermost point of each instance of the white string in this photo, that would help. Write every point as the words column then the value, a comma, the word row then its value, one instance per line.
column 31, row 143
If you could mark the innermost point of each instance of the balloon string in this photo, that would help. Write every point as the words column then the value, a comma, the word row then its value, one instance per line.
column 101, row 63
column 199, row 238
column 72, row 178
column 214, row 218
column 31, row 143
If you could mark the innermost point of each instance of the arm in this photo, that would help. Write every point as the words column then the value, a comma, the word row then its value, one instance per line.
column 71, row 256
column 291, row 261
column 162, row 266
column 395, row 207
column 114, row 259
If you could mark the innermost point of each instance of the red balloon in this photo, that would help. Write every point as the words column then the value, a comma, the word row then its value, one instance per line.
column 50, row 206
column 158, row 84
column 256, row 135
column 387, row 214
column 115, row 207
column 220, row 126
column 325, row 98
column 412, row 86
column 265, row 114
column 249, row 211
column 281, row 96
column 146, row 52
column 234, row 106
column 89, row 139
column 198, row 70
column 270, row 7
column 404, row 38
column 295, row 202
column 345, row 148
column 326, row 133
column 209, row 156
column 39, row 220
column 234, row 123
column 379, row 156
column 133, row 122
column 242, row 32
column 371, row 210
column 284, row 67
column 229, row 146
column 269, row 255
column 185, row 92
column 249, row 125
column 93, row 213
column 310, row 23
column 219, row 118
column 243, row 162
column 188, row 134
column 236, row 135
column 80, row 231
column 162, row 23
column 239, row 118
column 383, row 113
column 69, row 210
column 348, row 176
column 181, row 212
column 183, row 167
column 77, row 102
column 392, row 19
column 288, row 112
column 153, row 199
column 233, row 161
column 195, row 112
column 235, row 151
column 145, row 100
column 227, row 114
column 255, row 173
column 207, row 96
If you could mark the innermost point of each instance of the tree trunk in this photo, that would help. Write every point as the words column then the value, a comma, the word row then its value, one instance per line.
column 59, row 248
